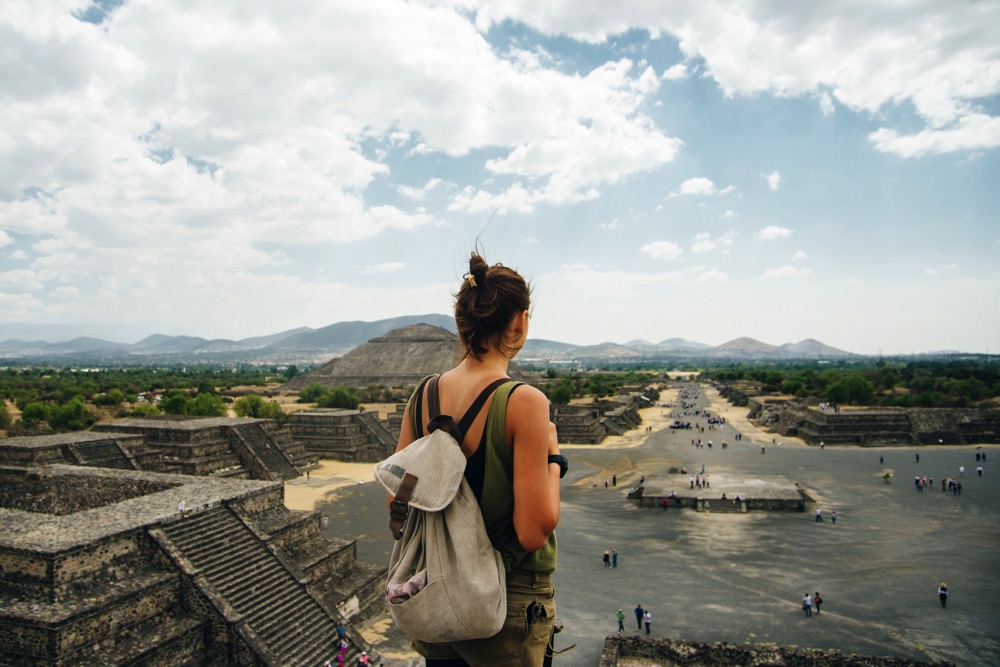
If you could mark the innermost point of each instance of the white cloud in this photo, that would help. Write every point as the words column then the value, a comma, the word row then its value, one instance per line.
column 711, row 276
column 826, row 103
column 665, row 250
column 18, row 254
column 726, row 190
column 420, row 193
column 799, row 255
column 702, row 243
column 773, row 180
column 784, row 272
column 772, row 232
column 5, row 239
column 969, row 132
column 941, row 270
column 729, row 213
column 614, row 224
column 698, row 186
column 385, row 267
column 675, row 72
column 23, row 280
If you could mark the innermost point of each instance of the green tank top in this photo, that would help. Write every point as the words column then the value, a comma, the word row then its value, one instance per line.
column 497, row 501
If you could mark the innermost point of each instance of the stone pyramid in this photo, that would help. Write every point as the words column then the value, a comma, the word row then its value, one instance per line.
column 401, row 358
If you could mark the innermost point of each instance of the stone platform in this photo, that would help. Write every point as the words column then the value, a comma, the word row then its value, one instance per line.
column 773, row 492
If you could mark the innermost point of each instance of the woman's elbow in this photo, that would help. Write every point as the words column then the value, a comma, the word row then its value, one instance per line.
column 535, row 539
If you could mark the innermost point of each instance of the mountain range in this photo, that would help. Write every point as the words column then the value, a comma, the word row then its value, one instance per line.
column 307, row 345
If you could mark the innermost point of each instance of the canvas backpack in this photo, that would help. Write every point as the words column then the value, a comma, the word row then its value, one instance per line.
column 446, row 581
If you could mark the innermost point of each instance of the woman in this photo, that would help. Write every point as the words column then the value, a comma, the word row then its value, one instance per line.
column 513, row 468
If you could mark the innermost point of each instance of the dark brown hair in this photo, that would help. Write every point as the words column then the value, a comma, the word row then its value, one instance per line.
column 488, row 300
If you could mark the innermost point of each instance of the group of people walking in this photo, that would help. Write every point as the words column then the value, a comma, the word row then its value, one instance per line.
column 811, row 601
column 642, row 616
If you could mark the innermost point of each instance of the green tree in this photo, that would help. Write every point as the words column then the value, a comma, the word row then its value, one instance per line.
column 562, row 393
column 32, row 413
column 175, row 405
column 4, row 417
column 311, row 393
column 791, row 387
column 206, row 405
column 256, row 407
column 74, row 416
column 339, row 397
column 291, row 371
column 551, row 373
column 113, row 397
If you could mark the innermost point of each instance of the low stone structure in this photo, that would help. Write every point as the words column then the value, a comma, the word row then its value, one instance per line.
column 100, row 450
column 644, row 652
column 216, row 446
column 773, row 493
column 344, row 435
column 868, row 426
column 579, row 424
column 102, row 567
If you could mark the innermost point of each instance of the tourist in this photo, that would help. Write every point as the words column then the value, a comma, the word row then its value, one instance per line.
column 817, row 601
column 819, row 515
column 918, row 458
column 614, row 480
column 363, row 659
column 979, row 470
column 807, row 605
column 614, row 559
column 607, row 558
column 943, row 594
column 833, row 518
column 647, row 618
column 491, row 316
column 961, row 471
column 639, row 613
column 621, row 620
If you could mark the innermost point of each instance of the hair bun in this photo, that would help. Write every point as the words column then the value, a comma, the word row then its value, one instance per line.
column 478, row 268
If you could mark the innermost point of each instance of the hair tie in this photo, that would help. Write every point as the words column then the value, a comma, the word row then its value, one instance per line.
column 471, row 278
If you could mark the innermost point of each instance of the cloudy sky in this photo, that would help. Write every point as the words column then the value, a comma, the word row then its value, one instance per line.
column 703, row 169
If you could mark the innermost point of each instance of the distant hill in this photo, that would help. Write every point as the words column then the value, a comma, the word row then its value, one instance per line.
column 307, row 345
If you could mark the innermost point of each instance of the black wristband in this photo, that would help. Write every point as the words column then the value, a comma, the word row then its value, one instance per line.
column 562, row 461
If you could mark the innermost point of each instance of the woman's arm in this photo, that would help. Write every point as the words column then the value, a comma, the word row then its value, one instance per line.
column 536, row 481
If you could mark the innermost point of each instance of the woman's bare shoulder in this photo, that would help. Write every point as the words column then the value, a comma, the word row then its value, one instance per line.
column 527, row 397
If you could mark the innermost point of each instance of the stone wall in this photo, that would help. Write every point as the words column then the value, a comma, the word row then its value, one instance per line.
column 626, row 651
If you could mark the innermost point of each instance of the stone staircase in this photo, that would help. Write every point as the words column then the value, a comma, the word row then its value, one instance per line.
column 578, row 424
column 102, row 454
column 290, row 624
column 345, row 435
column 260, row 443
column 378, row 430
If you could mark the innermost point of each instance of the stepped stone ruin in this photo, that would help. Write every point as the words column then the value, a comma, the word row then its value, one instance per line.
column 870, row 426
column 345, row 435
column 219, row 447
column 590, row 424
column 101, row 567
column 216, row 446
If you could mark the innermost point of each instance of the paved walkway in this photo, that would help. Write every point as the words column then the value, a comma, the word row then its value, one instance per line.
column 739, row 578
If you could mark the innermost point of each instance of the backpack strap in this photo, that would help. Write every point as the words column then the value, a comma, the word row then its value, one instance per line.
column 437, row 420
